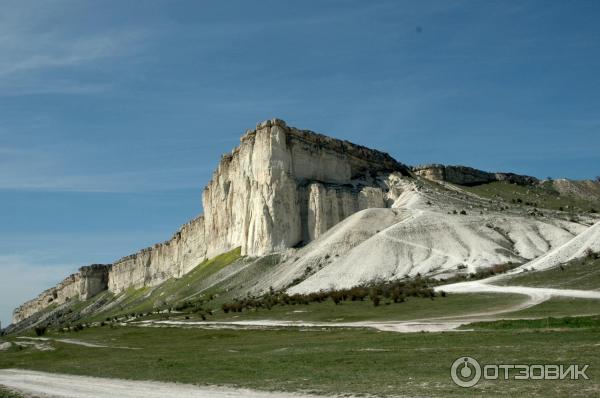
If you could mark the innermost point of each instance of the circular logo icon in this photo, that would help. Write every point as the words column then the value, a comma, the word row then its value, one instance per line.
column 465, row 372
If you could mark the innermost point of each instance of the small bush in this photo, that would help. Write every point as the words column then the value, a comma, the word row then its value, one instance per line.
column 40, row 330
column 376, row 300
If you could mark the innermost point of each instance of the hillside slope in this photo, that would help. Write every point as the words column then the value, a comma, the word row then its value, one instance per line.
column 297, row 211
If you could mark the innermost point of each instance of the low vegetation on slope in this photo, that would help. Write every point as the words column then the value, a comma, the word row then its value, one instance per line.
column 559, row 307
column 357, row 311
column 162, row 298
column 588, row 322
column 6, row 393
column 539, row 196
column 376, row 292
column 168, row 295
column 583, row 274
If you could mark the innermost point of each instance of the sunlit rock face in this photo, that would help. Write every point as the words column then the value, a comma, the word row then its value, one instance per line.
column 87, row 282
column 281, row 187
column 153, row 265
column 463, row 175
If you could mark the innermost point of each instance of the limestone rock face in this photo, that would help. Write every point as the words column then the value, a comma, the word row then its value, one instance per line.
column 152, row 266
column 284, row 186
column 463, row 175
column 93, row 279
column 325, row 205
column 88, row 282
column 279, row 188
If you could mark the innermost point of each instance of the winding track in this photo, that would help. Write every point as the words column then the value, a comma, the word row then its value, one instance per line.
column 44, row 384
column 534, row 296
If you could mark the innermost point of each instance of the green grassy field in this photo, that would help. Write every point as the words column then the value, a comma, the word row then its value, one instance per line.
column 589, row 322
column 6, row 393
column 329, row 360
column 352, row 311
column 351, row 361
column 543, row 196
column 559, row 307
column 583, row 274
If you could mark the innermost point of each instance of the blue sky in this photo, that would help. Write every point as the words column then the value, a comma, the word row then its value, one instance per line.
column 113, row 114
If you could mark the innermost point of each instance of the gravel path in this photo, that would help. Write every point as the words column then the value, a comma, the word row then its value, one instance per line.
column 43, row 384
column 534, row 296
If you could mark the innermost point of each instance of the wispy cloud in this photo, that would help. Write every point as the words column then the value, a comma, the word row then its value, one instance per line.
column 31, row 58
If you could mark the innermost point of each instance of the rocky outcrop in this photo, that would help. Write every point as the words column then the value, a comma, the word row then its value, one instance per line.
column 86, row 283
column 153, row 265
column 585, row 190
column 272, row 192
column 325, row 205
column 468, row 176
column 281, row 187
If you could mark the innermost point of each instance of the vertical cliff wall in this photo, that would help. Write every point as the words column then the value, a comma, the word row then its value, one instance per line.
column 463, row 175
column 283, row 186
column 279, row 188
column 153, row 265
column 86, row 283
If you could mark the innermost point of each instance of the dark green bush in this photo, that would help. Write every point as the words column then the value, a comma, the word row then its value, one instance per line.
column 40, row 330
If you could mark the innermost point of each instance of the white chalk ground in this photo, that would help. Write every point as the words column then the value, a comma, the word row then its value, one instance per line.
column 78, row 342
column 44, row 384
column 350, row 275
column 572, row 249
column 390, row 326
column 417, row 237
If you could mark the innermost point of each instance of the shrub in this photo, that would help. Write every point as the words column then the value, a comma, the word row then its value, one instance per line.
column 464, row 213
column 40, row 330
column 376, row 300
column 336, row 297
column 591, row 255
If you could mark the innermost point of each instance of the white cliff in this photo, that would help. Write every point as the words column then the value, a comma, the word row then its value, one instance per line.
column 281, row 187
column 86, row 283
